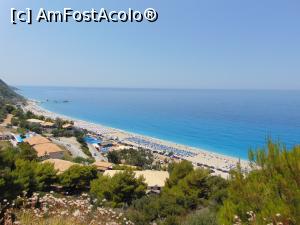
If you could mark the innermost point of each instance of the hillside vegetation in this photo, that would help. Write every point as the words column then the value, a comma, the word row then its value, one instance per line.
column 8, row 97
column 269, row 194
column 8, row 94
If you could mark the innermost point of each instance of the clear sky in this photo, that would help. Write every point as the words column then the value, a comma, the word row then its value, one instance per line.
column 241, row 44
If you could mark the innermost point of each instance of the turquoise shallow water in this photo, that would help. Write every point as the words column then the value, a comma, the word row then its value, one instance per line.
column 223, row 121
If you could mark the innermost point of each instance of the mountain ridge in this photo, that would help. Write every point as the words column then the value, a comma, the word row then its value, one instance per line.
column 8, row 94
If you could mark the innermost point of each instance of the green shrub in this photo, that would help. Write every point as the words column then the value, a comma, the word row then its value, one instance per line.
column 203, row 217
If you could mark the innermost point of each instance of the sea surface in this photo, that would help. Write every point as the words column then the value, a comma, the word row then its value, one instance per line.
column 229, row 122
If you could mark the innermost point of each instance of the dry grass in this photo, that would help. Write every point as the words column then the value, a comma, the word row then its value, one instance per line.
column 29, row 218
column 5, row 144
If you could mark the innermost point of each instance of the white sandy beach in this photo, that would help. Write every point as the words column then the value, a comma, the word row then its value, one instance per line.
column 219, row 163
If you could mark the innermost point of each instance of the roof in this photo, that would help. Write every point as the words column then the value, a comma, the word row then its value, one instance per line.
column 35, row 121
column 47, row 124
column 36, row 140
column 60, row 165
column 103, row 165
column 68, row 125
column 152, row 177
column 44, row 149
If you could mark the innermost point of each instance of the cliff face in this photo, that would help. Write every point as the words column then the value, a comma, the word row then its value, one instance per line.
column 8, row 94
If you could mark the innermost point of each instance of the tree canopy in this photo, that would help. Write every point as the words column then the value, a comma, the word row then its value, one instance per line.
column 136, row 157
column 78, row 177
column 270, row 193
column 119, row 190
column 186, row 190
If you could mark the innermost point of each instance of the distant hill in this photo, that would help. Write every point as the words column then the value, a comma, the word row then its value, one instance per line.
column 14, row 88
column 8, row 94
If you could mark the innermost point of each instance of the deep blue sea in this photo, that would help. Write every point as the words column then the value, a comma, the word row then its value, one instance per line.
column 224, row 121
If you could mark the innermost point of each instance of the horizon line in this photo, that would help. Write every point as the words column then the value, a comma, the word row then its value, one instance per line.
column 156, row 88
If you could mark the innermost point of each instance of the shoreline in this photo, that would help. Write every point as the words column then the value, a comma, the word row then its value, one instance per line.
column 220, row 164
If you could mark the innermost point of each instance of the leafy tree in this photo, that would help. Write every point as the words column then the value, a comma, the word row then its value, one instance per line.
column 186, row 190
column 217, row 191
column 191, row 191
column 270, row 193
column 179, row 171
column 24, row 175
column 59, row 123
column 77, row 177
column 18, row 113
column 45, row 175
column 29, row 115
column 35, row 128
column 27, row 152
column 32, row 176
column 9, row 108
column 113, row 157
column 8, row 156
column 119, row 190
column 41, row 117
column 136, row 157
column 9, row 189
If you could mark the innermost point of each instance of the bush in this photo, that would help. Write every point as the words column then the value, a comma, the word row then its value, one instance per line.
column 204, row 217
column 82, row 160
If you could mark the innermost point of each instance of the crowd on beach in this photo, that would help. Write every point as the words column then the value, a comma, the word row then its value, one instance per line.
column 160, row 147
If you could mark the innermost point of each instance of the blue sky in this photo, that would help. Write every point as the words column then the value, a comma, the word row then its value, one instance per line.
column 194, row 44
